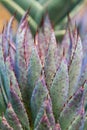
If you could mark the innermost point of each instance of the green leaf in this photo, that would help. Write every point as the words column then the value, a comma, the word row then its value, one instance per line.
column 3, row 72
column 83, row 76
column 47, row 28
column 75, row 66
column 10, row 42
column 39, row 94
column 12, row 118
column 46, row 109
column 49, row 112
column 19, row 109
column 41, row 46
column 50, row 61
column 70, row 110
column 34, row 70
column 78, row 122
column 59, row 88
column 5, row 42
column 12, row 77
column 44, row 123
column 24, row 44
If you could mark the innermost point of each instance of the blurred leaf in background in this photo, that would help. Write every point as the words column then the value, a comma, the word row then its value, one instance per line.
column 57, row 9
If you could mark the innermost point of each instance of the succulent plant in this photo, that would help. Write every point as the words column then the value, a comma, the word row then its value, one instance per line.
column 42, row 83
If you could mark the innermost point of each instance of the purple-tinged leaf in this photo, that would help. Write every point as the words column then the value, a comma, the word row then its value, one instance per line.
column 19, row 109
column 49, row 112
column 83, row 76
column 39, row 94
column 24, row 43
column 47, row 108
column 66, row 44
column 57, row 127
column 12, row 118
column 71, row 109
column 5, row 125
column 41, row 46
column 12, row 76
column 50, row 61
column 44, row 123
column 3, row 72
column 11, row 44
column 75, row 67
column 1, row 54
column 78, row 122
column 47, row 27
column 5, row 42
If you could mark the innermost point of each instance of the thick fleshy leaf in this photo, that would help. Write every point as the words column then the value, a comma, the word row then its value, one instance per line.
column 11, row 44
column 3, row 72
column 78, row 122
column 44, row 123
column 5, row 83
column 73, row 36
column 12, row 76
column 71, row 109
column 24, row 43
column 49, row 112
column 66, row 43
column 42, row 39
column 39, row 116
column 5, row 125
column 47, row 27
column 41, row 46
column 19, row 109
column 75, row 67
column 47, row 107
column 69, row 41
column 5, row 42
column 34, row 70
column 38, row 96
column 12, row 118
column 50, row 61
column 59, row 88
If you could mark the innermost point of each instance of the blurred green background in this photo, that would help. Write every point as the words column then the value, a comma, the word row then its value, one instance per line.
column 57, row 10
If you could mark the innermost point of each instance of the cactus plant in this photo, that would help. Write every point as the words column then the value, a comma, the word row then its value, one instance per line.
column 42, row 84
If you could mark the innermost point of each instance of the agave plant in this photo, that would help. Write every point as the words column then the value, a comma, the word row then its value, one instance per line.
column 42, row 84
